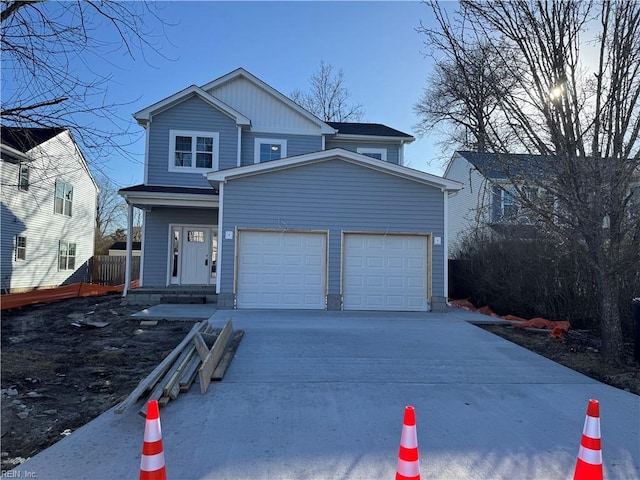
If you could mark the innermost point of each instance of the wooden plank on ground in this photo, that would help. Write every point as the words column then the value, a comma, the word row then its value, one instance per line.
column 175, row 376
column 215, row 354
column 191, row 371
column 157, row 372
column 232, row 347
column 201, row 346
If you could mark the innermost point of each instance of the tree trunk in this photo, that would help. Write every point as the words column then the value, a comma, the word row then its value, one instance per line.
column 610, row 326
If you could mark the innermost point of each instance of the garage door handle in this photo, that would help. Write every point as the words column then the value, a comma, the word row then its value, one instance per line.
column 206, row 262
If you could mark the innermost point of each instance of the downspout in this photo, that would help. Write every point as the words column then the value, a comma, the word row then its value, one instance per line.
column 127, row 268
column 239, row 154
column 220, row 234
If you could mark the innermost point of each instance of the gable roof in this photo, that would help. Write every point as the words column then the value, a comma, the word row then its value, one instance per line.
column 143, row 116
column 242, row 73
column 500, row 166
column 223, row 176
column 369, row 129
column 25, row 139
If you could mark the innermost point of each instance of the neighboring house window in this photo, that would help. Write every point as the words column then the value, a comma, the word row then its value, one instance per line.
column 193, row 151
column 505, row 204
column 21, row 248
column 67, row 256
column 23, row 177
column 379, row 153
column 63, row 198
column 267, row 149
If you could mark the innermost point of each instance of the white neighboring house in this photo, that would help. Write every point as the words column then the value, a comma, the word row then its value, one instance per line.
column 48, row 202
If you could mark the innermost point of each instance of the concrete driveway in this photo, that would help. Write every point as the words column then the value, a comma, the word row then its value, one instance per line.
column 321, row 395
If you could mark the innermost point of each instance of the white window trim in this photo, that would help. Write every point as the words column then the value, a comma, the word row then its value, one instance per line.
column 75, row 256
column 64, row 199
column 20, row 177
column 258, row 141
column 193, row 134
column 381, row 151
column 16, row 258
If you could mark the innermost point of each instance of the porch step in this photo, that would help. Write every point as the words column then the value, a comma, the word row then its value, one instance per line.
column 183, row 299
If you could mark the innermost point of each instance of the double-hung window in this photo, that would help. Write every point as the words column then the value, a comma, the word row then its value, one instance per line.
column 21, row 247
column 63, row 198
column 23, row 177
column 267, row 149
column 67, row 256
column 378, row 153
column 193, row 151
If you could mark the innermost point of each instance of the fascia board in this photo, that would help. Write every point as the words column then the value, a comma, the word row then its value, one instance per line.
column 336, row 153
column 171, row 199
column 372, row 138
column 143, row 116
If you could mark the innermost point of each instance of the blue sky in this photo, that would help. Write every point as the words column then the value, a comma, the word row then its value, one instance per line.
column 375, row 44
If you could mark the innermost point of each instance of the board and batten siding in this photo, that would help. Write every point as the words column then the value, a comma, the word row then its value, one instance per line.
column 296, row 144
column 157, row 236
column 267, row 112
column 31, row 214
column 193, row 114
column 336, row 196
column 393, row 150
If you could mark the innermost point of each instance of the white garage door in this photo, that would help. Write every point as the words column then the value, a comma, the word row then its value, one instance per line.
column 281, row 270
column 385, row 272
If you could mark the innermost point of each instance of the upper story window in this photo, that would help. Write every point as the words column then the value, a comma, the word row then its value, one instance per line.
column 267, row 149
column 193, row 151
column 505, row 204
column 23, row 177
column 63, row 198
column 379, row 153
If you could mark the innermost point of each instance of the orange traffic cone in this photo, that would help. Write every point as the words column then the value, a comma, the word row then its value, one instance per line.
column 408, row 464
column 589, row 464
column 152, row 462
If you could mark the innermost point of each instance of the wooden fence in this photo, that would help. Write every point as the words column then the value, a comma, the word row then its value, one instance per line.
column 109, row 270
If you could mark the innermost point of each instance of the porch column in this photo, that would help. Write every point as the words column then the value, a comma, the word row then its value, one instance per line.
column 127, row 267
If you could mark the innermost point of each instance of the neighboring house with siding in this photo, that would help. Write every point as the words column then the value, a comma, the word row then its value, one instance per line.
column 247, row 194
column 48, row 203
column 488, row 198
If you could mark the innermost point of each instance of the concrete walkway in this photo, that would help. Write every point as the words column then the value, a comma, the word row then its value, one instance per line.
column 196, row 311
column 321, row 395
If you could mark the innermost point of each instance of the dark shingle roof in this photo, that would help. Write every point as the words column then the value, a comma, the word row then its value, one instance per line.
column 503, row 166
column 373, row 129
column 123, row 246
column 24, row 139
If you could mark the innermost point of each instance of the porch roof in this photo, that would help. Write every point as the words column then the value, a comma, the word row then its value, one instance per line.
column 148, row 196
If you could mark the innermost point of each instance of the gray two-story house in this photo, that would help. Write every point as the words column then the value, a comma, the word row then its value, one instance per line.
column 247, row 194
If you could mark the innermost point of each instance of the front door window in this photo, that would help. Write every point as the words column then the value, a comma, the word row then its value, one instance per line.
column 193, row 255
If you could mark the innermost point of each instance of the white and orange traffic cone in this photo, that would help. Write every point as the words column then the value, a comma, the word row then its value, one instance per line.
column 408, row 463
column 152, row 463
column 589, row 464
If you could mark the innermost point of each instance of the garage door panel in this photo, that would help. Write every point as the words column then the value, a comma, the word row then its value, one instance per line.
column 281, row 270
column 385, row 272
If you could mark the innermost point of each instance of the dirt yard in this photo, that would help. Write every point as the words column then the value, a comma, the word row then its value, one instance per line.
column 578, row 351
column 56, row 376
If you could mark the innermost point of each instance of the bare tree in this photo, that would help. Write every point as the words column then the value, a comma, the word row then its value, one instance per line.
column 328, row 97
column 39, row 86
column 462, row 90
column 584, row 118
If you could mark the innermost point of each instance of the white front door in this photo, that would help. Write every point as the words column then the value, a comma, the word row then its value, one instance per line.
column 193, row 256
